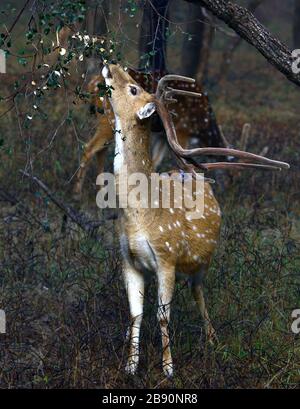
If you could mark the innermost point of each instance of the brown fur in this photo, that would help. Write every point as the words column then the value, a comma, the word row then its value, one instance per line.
column 162, row 240
column 192, row 117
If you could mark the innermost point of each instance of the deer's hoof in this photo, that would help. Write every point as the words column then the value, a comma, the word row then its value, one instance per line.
column 131, row 367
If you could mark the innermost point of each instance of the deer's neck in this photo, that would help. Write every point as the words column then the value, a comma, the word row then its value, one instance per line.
column 132, row 148
column 132, row 155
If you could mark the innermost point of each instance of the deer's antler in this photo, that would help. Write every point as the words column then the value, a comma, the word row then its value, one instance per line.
column 186, row 155
column 166, row 94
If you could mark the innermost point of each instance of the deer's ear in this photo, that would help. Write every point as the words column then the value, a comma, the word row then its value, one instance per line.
column 146, row 111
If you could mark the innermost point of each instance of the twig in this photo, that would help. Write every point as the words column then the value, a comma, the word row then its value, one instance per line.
column 16, row 19
column 8, row 197
column 89, row 226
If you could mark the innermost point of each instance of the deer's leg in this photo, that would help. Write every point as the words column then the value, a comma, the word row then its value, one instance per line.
column 197, row 290
column 134, row 283
column 95, row 145
column 80, row 176
column 100, row 155
column 166, row 279
column 159, row 149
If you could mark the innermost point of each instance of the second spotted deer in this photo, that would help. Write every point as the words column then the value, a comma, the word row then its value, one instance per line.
column 192, row 116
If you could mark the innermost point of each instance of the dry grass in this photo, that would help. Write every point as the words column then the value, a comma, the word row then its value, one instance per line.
column 67, row 309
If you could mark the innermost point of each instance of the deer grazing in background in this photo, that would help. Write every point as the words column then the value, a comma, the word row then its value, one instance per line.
column 162, row 240
column 193, row 118
column 193, row 115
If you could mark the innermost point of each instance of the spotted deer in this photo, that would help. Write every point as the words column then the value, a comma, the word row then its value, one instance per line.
column 192, row 116
column 161, row 240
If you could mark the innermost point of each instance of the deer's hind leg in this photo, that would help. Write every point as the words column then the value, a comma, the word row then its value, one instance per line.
column 197, row 291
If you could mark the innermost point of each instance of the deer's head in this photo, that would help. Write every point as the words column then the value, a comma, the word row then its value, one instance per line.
column 129, row 100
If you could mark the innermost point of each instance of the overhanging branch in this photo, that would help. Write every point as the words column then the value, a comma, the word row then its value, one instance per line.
column 243, row 22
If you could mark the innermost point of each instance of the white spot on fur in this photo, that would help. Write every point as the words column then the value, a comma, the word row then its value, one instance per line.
column 119, row 148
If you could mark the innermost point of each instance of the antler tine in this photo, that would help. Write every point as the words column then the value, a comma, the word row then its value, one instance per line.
column 237, row 165
column 170, row 77
column 265, row 163
column 169, row 99
column 190, row 167
column 186, row 153
column 223, row 137
column 174, row 91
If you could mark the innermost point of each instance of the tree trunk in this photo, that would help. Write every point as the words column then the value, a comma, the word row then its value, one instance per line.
column 208, row 36
column 96, row 23
column 192, row 43
column 296, row 25
column 152, row 42
column 96, row 16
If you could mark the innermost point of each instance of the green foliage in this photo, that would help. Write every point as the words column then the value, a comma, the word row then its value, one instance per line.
column 131, row 8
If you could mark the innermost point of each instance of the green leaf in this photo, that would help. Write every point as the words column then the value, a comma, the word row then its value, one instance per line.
column 22, row 61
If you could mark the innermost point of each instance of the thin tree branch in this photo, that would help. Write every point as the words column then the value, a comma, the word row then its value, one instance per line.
column 89, row 226
column 21, row 207
column 16, row 19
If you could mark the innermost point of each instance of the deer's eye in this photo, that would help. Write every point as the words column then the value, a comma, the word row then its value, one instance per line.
column 133, row 90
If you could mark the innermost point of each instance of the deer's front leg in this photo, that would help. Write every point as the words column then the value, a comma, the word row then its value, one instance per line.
column 134, row 283
column 166, row 280
column 97, row 145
